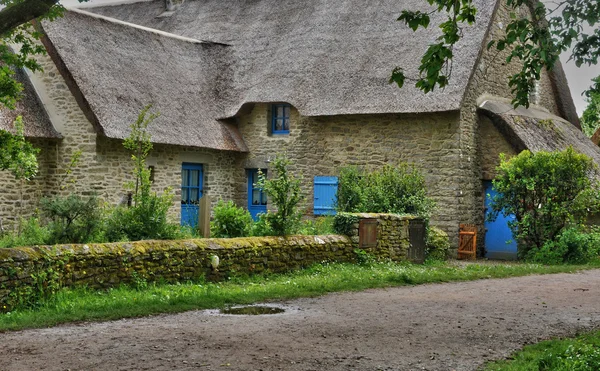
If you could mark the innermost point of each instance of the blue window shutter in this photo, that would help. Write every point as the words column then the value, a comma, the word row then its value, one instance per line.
column 325, row 190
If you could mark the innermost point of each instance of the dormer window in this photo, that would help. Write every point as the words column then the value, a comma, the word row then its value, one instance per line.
column 280, row 118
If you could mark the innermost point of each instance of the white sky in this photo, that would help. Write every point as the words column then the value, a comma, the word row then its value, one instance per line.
column 579, row 78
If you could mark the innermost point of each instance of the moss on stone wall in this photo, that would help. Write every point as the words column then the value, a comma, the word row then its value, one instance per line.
column 28, row 274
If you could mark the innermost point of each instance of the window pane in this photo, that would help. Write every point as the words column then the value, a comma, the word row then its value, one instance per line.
column 194, row 195
column 254, row 178
column 184, row 178
column 286, row 124
column 279, row 111
column 278, row 124
column 255, row 197
column 286, row 111
column 195, row 178
column 264, row 198
column 184, row 196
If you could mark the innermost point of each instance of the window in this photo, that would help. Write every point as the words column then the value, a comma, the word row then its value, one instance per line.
column 257, row 199
column 280, row 118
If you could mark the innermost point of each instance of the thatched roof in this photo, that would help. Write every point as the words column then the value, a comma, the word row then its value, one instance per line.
column 36, row 122
column 325, row 57
column 118, row 69
column 537, row 130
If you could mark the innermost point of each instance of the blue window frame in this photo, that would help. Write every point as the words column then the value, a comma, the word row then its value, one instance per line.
column 280, row 118
column 191, row 193
column 257, row 199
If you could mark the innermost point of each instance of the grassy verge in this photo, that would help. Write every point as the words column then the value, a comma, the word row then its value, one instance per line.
column 581, row 353
column 71, row 305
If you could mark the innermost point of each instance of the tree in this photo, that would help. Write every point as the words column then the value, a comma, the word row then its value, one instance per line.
column 590, row 121
column 535, row 42
column 16, row 154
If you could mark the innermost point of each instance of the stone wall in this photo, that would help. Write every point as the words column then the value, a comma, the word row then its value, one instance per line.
column 108, row 265
column 393, row 237
column 492, row 145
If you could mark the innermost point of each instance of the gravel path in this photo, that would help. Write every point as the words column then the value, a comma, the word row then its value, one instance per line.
column 455, row 326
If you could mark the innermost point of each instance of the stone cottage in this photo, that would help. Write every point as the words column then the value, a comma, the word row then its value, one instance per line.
column 237, row 82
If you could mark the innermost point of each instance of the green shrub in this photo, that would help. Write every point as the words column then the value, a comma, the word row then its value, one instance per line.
column 573, row 246
column 319, row 226
column 262, row 226
column 73, row 219
column 545, row 192
column 230, row 221
column 392, row 189
column 344, row 223
column 30, row 233
column 147, row 218
column 285, row 194
column 437, row 244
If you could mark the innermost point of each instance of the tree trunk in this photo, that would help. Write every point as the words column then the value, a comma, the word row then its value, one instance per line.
column 15, row 15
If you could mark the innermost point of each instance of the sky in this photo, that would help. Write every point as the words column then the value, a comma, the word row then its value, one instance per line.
column 579, row 78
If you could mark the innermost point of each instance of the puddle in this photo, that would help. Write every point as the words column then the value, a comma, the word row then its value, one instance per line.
column 252, row 310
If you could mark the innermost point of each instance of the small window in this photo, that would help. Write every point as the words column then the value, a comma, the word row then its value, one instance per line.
column 280, row 118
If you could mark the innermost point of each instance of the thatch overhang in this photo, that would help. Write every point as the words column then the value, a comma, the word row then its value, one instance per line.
column 324, row 57
column 116, row 69
column 36, row 121
column 537, row 130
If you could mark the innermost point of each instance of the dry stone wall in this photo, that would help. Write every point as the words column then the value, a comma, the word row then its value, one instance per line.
column 109, row 265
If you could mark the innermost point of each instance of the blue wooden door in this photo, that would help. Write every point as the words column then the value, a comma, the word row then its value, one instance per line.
column 191, row 192
column 325, row 190
column 257, row 199
column 499, row 241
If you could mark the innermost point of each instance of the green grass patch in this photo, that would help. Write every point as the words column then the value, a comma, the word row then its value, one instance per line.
column 581, row 353
column 73, row 305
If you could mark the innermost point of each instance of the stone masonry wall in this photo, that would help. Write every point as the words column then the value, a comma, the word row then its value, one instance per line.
column 321, row 146
column 392, row 235
column 108, row 265
column 492, row 144
column 490, row 78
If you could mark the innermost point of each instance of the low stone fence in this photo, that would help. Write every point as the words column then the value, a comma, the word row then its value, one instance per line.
column 27, row 269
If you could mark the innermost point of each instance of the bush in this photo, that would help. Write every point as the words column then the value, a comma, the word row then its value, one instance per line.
column 147, row 218
column 545, row 192
column 30, row 233
column 572, row 246
column 262, row 226
column 284, row 192
column 73, row 219
column 437, row 244
column 230, row 221
column 343, row 223
column 397, row 190
column 320, row 226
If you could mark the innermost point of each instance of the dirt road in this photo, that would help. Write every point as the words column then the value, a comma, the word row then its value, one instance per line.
column 456, row 326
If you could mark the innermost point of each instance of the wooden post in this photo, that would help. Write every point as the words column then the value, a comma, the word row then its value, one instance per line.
column 204, row 216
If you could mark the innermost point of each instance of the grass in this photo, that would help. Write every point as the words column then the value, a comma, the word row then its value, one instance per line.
column 581, row 353
column 73, row 305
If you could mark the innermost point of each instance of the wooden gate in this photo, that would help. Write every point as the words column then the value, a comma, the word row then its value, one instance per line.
column 467, row 242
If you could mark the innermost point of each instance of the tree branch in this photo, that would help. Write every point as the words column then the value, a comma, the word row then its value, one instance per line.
column 15, row 15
